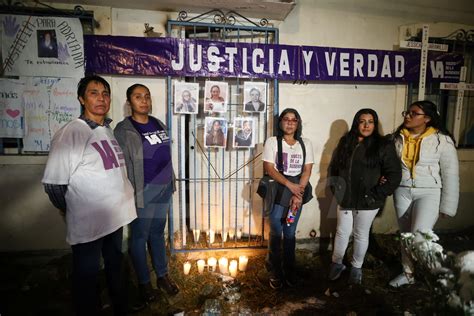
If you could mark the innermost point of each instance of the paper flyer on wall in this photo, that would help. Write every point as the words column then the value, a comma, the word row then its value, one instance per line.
column 42, row 46
column 49, row 103
column 11, row 108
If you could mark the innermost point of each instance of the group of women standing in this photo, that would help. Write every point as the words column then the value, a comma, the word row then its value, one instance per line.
column 417, row 163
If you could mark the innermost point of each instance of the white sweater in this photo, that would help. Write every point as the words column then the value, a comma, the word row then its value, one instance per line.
column 437, row 167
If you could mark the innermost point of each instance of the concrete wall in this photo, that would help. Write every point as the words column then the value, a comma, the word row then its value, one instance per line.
column 30, row 222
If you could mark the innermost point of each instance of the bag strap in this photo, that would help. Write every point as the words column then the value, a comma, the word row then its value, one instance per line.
column 280, row 154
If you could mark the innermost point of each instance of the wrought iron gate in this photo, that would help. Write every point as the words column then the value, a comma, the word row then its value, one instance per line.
column 217, row 207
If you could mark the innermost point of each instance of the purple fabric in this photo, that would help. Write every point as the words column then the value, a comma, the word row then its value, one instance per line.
column 157, row 163
column 142, row 56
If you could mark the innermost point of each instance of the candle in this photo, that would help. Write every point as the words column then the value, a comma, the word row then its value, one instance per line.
column 224, row 236
column 196, row 234
column 211, row 235
column 211, row 264
column 223, row 264
column 186, row 267
column 233, row 268
column 231, row 233
column 243, row 260
column 201, row 263
column 239, row 233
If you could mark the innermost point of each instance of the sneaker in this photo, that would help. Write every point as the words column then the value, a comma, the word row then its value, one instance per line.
column 402, row 279
column 167, row 285
column 355, row 277
column 146, row 293
column 335, row 270
column 276, row 283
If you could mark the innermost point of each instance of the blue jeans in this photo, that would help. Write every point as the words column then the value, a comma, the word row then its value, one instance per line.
column 149, row 228
column 86, row 266
column 278, row 227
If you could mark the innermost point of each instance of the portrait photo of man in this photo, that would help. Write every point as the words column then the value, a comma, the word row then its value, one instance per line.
column 243, row 132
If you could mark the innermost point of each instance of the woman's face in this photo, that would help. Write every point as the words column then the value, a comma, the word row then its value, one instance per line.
column 215, row 92
column 140, row 100
column 254, row 95
column 415, row 118
column 186, row 96
column 366, row 125
column 216, row 126
column 289, row 123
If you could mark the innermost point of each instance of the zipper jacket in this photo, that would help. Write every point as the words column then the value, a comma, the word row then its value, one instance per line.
column 437, row 167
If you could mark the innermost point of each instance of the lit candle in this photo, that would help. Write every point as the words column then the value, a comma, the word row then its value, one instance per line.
column 211, row 235
column 239, row 233
column 233, row 268
column 196, row 234
column 243, row 260
column 201, row 263
column 231, row 233
column 211, row 264
column 187, row 267
column 223, row 264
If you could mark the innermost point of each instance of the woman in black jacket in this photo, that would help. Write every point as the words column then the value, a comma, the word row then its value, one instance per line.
column 361, row 158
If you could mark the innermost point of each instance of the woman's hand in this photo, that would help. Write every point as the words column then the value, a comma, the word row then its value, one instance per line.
column 382, row 180
column 295, row 202
column 296, row 189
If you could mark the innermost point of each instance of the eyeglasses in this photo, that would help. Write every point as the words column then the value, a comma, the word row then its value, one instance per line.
column 288, row 120
column 411, row 113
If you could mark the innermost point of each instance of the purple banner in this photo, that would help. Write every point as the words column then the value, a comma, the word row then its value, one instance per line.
column 141, row 56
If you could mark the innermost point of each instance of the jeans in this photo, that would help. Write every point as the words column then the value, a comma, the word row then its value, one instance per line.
column 149, row 228
column 357, row 223
column 278, row 227
column 86, row 266
column 417, row 209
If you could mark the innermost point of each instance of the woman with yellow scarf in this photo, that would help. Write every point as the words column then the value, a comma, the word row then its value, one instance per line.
column 430, row 176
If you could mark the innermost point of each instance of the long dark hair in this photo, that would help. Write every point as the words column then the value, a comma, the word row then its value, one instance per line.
column 430, row 109
column 299, row 128
column 349, row 141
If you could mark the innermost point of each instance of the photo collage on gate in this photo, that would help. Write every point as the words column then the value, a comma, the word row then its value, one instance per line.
column 216, row 103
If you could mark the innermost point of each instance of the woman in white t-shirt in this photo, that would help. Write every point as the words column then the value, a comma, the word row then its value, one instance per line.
column 294, row 165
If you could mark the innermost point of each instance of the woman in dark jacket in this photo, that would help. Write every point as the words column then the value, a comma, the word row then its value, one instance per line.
column 361, row 158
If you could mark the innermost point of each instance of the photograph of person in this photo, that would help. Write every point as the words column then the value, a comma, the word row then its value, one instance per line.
column 216, row 96
column 255, row 94
column 243, row 132
column 186, row 95
column 216, row 132
column 47, row 43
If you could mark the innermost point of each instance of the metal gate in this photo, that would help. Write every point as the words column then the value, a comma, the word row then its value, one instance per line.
column 216, row 205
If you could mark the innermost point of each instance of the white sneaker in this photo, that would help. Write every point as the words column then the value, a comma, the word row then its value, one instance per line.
column 402, row 279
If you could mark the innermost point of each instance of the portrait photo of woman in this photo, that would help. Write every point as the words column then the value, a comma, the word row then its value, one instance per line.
column 216, row 96
column 186, row 95
column 255, row 94
column 216, row 132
